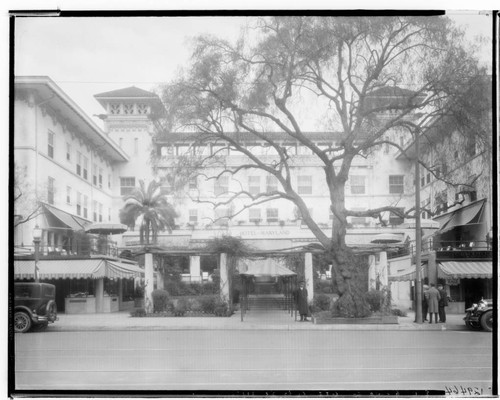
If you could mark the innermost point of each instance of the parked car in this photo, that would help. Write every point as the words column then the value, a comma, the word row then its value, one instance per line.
column 480, row 315
column 34, row 305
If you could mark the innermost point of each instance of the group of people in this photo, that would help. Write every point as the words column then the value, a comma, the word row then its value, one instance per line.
column 434, row 302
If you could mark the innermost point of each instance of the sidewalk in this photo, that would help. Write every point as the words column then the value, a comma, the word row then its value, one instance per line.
column 257, row 320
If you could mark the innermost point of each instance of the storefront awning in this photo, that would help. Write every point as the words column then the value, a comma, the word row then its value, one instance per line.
column 465, row 269
column 71, row 221
column 408, row 274
column 463, row 216
column 75, row 269
column 265, row 267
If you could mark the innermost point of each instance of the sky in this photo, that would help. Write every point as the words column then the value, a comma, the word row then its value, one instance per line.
column 87, row 56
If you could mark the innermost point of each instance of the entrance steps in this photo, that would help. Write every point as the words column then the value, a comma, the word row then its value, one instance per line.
column 266, row 302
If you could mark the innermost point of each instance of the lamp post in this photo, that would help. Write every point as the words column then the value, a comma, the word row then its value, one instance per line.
column 418, row 238
column 37, row 236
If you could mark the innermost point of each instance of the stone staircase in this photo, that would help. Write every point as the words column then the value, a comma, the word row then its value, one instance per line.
column 266, row 302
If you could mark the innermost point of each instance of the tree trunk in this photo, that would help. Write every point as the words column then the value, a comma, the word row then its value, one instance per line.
column 345, row 267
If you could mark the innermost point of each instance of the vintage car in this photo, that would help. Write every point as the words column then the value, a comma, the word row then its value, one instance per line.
column 480, row 315
column 34, row 305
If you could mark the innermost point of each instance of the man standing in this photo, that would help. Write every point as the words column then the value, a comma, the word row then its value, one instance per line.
column 301, row 300
column 443, row 302
column 433, row 298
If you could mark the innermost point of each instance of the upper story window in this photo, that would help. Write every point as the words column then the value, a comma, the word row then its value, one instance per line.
column 68, row 152
column 85, row 167
column 79, row 163
column 85, row 206
column 396, row 184
column 50, row 190
column 100, row 178
column 304, row 184
column 193, row 216
column 142, row 109
column 94, row 174
column 254, row 184
column 94, row 211
column 78, row 203
column 68, row 194
column 127, row 185
column 115, row 109
column 271, row 183
column 254, row 215
column 100, row 212
column 221, row 185
column 50, row 144
column 128, row 108
column 272, row 214
column 221, row 216
column 358, row 185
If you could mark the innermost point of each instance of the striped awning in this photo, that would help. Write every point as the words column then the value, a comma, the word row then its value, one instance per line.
column 408, row 274
column 75, row 269
column 69, row 220
column 264, row 267
column 468, row 214
column 465, row 269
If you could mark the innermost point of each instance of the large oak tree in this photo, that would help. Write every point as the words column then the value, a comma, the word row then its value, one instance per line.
column 365, row 77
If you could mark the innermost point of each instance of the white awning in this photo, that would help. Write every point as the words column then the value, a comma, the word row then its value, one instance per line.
column 264, row 267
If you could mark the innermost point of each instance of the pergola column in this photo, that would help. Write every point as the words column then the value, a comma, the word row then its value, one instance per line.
column 224, row 282
column 99, row 295
column 308, row 276
column 194, row 268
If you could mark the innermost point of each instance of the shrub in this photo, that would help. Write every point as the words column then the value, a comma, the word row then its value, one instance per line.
column 195, row 304
column 222, row 309
column 322, row 302
column 181, row 307
column 208, row 304
column 375, row 299
column 139, row 312
column 398, row 312
column 323, row 286
column 160, row 300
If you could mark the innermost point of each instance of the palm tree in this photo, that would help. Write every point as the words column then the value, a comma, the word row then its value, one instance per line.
column 150, row 209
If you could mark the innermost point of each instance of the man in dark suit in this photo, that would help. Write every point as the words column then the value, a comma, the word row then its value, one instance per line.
column 301, row 301
column 443, row 302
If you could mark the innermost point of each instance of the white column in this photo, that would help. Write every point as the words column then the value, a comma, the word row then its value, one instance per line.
column 194, row 268
column 149, row 281
column 382, row 269
column 99, row 295
column 372, row 272
column 308, row 276
column 224, row 284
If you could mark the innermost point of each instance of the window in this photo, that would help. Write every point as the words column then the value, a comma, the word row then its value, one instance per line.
column 193, row 216
column 79, row 163
column 100, row 212
column 100, row 178
column 50, row 144
column 394, row 219
column 78, row 203
column 50, row 190
column 127, row 185
column 128, row 108
column 68, row 194
column 272, row 215
column 85, row 167
column 136, row 146
column 94, row 174
column 94, row 211
column 221, row 216
column 358, row 184
column 68, row 152
column 305, row 184
column 115, row 109
column 193, row 183
column 396, row 184
column 85, row 206
column 271, row 183
column 358, row 220
column 109, row 214
column 428, row 177
column 254, row 214
column 254, row 184
column 221, row 185
column 441, row 200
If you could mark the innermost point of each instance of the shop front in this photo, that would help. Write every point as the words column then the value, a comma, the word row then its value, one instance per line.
column 89, row 285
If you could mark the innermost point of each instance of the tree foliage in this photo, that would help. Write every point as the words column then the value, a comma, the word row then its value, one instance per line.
column 362, row 78
column 151, row 208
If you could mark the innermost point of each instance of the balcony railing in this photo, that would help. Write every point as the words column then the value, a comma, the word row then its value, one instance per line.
column 105, row 248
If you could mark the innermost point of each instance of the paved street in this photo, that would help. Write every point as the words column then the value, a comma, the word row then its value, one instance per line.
column 254, row 360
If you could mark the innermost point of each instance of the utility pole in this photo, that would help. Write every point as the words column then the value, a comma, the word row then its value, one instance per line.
column 418, row 237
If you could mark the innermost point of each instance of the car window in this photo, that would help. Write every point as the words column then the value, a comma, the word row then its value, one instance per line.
column 48, row 291
column 26, row 291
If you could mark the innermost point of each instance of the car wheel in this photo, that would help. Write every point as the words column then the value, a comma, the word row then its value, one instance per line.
column 22, row 322
column 487, row 321
column 51, row 311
